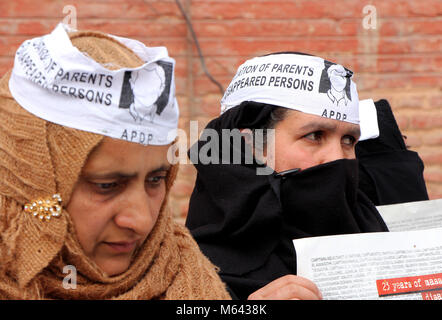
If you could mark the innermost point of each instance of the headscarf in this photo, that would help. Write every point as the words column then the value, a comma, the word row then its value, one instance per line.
column 389, row 172
column 39, row 158
column 244, row 222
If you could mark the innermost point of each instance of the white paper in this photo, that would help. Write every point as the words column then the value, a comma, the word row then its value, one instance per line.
column 417, row 215
column 406, row 264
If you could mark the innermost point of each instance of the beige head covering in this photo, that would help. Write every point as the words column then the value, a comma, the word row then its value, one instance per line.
column 39, row 159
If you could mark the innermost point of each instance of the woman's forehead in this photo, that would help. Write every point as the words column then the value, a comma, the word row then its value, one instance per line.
column 116, row 154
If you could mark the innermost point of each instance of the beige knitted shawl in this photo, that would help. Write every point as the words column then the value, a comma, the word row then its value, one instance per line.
column 39, row 159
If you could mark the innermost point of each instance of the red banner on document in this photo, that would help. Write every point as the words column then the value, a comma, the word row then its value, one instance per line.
column 409, row 284
column 432, row 295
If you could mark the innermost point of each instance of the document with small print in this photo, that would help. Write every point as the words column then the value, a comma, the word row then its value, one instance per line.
column 404, row 264
column 409, row 216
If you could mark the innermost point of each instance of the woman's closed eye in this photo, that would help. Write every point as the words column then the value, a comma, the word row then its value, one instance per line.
column 107, row 187
column 156, row 180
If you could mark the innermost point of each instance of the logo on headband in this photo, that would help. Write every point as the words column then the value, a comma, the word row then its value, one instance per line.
column 335, row 82
column 145, row 92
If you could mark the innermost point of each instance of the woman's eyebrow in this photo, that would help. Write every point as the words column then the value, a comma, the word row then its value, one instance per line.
column 163, row 167
column 110, row 175
column 356, row 132
column 122, row 175
column 314, row 126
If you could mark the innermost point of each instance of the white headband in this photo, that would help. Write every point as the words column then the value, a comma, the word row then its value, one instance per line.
column 301, row 82
column 368, row 120
column 53, row 80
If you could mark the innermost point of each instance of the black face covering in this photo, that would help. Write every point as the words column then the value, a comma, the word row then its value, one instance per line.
column 323, row 200
column 245, row 223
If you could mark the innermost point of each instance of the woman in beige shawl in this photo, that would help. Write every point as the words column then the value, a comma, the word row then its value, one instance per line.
column 84, row 215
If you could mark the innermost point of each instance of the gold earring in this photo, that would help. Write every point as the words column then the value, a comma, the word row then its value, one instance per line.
column 45, row 208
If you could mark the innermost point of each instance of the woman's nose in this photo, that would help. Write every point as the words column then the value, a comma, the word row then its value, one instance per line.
column 135, row 212
column 334, row 151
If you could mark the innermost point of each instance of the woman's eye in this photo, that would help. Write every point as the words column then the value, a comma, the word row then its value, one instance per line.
column 314, row 136
column 106, row 186
column 155, row 181
column 349, row 140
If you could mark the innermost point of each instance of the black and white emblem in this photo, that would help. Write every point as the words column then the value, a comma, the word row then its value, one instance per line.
column 146, row 92
column 335, row 82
